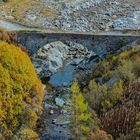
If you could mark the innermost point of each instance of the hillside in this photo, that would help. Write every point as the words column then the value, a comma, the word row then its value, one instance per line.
column 79, row 15
column 123, row 119
column 20, row 93
column 113, row 93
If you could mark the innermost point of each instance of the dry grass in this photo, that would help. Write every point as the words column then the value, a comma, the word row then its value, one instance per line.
column 5, row 36
column 21, row 7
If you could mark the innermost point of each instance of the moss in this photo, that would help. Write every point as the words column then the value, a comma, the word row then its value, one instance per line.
column 20, row 90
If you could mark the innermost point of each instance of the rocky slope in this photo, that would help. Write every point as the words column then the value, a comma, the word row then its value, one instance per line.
column 78, row 15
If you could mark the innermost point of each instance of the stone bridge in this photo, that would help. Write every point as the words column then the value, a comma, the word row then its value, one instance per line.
column 97, row 42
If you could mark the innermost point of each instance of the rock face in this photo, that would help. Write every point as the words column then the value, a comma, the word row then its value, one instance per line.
column 52, row 56
column 59, row 102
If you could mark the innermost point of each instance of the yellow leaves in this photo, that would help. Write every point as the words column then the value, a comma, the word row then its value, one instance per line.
column 100, row 135
column 19, row 85
column 1, row 114
column 83, row 117
column 75, row 88
column 14, row 122
column 117, row 91
column 28, row 134
column 31, row 116
column 17, row 110
column 81, row 105
column 85, row 129
column 92, row 85
column 49, row 88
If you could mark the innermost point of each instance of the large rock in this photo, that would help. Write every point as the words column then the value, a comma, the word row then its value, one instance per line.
column 50, row 58
column 59, row 101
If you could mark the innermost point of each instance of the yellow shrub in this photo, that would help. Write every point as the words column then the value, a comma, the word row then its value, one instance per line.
column 28, row 134
column 20, row 90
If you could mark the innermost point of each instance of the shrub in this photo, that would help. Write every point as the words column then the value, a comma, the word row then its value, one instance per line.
column 122, row 42
column 100, row 135
column 20, row 91
column 27, row 134
column 5, row 36
column 102, row 97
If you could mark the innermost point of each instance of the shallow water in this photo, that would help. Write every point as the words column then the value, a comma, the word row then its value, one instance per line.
column 63, row 76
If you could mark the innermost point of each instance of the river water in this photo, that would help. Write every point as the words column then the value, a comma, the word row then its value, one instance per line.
column 14, row 27
column 63, row 77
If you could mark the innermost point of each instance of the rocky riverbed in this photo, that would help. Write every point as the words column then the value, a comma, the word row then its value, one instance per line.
column 61, row 62
column 78, row 15
column 55, row 120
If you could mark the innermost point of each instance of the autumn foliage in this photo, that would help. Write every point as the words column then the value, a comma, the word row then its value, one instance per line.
column 100, row 135
column 20, row 93
column 113, row 92
column 7, row 37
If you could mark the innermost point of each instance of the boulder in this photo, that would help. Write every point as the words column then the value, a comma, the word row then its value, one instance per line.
column 59, row 101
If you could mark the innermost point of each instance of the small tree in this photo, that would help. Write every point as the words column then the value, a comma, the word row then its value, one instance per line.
column 81, row 117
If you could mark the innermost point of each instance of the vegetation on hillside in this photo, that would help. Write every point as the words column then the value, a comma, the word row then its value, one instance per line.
column 85, row 123
column 20, row 94
column 83, row 119
column 114, row 86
